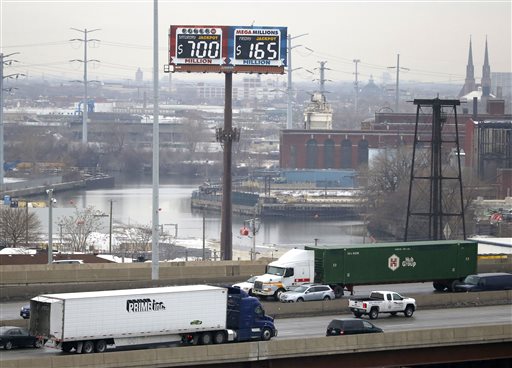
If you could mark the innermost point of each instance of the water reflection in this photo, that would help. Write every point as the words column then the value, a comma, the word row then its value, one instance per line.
column 132, row 204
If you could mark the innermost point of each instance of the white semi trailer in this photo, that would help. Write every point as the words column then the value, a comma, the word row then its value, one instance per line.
column 199, row 314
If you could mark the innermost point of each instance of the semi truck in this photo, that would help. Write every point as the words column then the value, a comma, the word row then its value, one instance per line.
column 443, row 262
column 89, row 322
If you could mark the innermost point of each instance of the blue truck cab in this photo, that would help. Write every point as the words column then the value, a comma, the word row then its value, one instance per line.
column 246, row 316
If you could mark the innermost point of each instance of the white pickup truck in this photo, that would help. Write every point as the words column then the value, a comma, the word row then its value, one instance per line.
column 382, row 302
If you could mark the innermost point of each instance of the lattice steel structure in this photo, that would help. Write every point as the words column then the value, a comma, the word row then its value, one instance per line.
column 435, row 208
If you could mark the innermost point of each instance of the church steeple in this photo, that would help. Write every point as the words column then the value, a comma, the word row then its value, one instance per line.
column 469, row 82
column 486, row 74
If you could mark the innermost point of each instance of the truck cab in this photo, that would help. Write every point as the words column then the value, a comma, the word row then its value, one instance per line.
column 292, row 269
column 246, row 315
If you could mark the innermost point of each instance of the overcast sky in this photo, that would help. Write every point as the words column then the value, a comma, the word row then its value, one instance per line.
column 432, row 37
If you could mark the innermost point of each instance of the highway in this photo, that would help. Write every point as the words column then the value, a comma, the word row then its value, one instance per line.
column 290, row 328
column 11, row 310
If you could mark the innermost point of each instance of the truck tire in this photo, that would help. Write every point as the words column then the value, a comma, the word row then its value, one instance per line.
column 357, row 314
column 338, row 291
column 266, row 334
column 439, row 286
column 67, row 347
column 278, row 293
column 206, row 338
column 374, row 313
column 219, row 337
column 409, row 311
column 87, row 347
column 100, row 346
column 453, row 284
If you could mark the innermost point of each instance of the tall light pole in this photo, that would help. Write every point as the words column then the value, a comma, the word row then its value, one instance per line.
column 289, row 90
column 155, row 250
column 110, row 230
column 50, row 225
column 85, row 40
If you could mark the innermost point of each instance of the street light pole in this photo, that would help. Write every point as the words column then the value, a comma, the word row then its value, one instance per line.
column 110, row 231
column 50, row 225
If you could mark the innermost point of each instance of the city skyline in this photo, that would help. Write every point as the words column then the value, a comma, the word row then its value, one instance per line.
column 432, row 37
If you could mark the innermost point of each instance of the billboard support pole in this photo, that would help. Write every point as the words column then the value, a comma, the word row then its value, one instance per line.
column 226, row 136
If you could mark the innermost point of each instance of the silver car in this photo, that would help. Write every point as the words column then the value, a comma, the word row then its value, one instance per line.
column 246, row 286
column 307, row 292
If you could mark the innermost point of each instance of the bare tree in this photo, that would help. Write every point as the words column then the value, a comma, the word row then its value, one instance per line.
column 135, row 238
column 79, row 227
column 18, row 226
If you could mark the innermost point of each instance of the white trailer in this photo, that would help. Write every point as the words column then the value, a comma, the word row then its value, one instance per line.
column 89, row 321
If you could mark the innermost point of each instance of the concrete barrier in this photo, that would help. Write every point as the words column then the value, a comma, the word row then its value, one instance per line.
column 278, row 349
column 23, row 282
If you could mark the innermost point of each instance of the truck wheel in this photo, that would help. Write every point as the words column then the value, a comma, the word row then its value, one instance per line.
column 338, row 291
column 87, row 347
column 357, row 314
column 100, row 346
column 219, row 337
column 66, row 347
column 453, row 285
column 8, row 345
column 278, row 294
column 374, row 313
column 206, row 338
column 409, row 311
column 266, row 334
column 439, row 286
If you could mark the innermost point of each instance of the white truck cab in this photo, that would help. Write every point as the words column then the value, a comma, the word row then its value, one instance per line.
column 292, row 269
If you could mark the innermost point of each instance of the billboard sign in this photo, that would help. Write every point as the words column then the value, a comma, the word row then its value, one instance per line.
column 234, row 49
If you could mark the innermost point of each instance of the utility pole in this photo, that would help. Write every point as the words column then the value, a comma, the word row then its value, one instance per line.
column 289, row 89
column 356, row 85
column 85, row 40
column 397, row 86
column 322, row 76
column 3, row 62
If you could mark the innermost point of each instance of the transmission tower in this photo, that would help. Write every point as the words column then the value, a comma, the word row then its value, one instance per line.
column 4, row 61
column 85, row 40
column 436, row 175
column 356, row 85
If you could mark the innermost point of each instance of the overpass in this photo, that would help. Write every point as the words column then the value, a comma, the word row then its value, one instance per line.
column 492, row 343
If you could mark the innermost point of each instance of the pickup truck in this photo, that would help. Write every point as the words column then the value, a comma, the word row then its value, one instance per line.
column 382, row 302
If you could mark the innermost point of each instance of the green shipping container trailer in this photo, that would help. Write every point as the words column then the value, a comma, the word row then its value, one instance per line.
column 444, row 262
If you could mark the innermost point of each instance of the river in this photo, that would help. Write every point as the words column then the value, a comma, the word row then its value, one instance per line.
column 132, row 204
